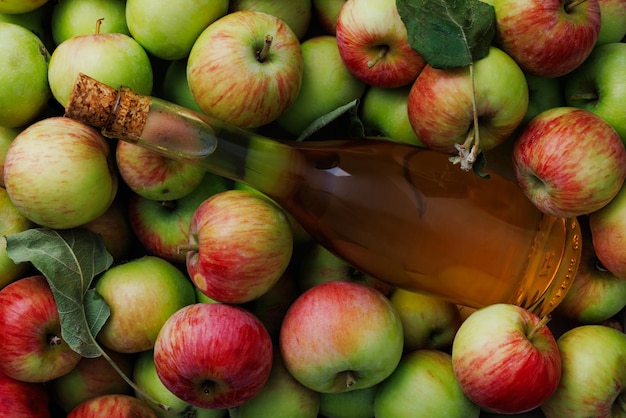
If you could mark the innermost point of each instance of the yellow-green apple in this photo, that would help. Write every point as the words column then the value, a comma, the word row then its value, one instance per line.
column 60, row 173
column 112, row 405
column 245, row 68
column 20, row 399
column 569, row 161
column 423, row 385
column 599, row 85
column 608, row 236
column 612, row 21
column 34, row 350
column 239, row 245
column 357, row 403
column 281, row 396
column 506, row 359
column 428, row 322
column 7, row 135
column 168, row 30
column 440, row 103
column 36, row 21
column 162, row 226
column 593, row 380
column 373, row 43
column 71, row 18
column 20, row 6
column 543, row 93
column 295, row 13
column 90, row 378
column 115, row 229
column 340, row 336
column 326, row 85
column 154, row 176
column 146, row 378
column 213, row 355
column 384, row 113
column 548, row 38
column 327, row 12
column 142, row 294
column 175, row 87
column 24, row 89
column 11, row 222
column 115, row 59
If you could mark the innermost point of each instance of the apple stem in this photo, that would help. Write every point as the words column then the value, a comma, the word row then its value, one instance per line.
column 571, row 5
column 382, row 51
column 350, row 380
column 185, row 248
column 262, row 54
column 584, row 96
column 542, row 323
column 98, row 24
column 55, row 340
column 468, row 151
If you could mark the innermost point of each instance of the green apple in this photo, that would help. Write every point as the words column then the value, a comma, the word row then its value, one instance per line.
column 36, row 21
column 20, row 6
column 175, row 87
column 352, row 404
column 327, row 12
column 295, row 13
column 543, row 93
column 11, row 222
column 384, row 112
column 60, row 173
column 326, row 85
column 612, row 21
column 427, row 321
column 599, row 85
column 142, row 294
column 593, row 378
column 169, row 29
column 78, row 17
column 423, row 385
column 7, row 135
column 24, row 90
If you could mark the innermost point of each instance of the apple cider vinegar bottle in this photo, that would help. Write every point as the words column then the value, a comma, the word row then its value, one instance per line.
column 402, row 214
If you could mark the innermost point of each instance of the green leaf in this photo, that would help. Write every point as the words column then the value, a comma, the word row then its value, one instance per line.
column 448, row 33
column 325, row 119
column 69, row 259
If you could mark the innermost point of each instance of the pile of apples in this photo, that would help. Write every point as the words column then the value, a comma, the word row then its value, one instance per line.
column 220, row 303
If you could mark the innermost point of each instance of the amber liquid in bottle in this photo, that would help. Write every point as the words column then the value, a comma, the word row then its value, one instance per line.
column 403, row 214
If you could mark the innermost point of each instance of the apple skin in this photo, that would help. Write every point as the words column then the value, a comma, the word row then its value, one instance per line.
column 213, row 355
column 543, row 93
column 373, row 44
column 24, row 89
column 23, row 399
column 113, row 405
column 168, row 29
column 593, row 380
column 142, row 294
column 505, row 360
column 11, row 222
column 20, row 6
column 240, row 244
column 34, row 350
column 543, row 37
column 229, row 78
column 599, row 85
column 612, row 21
column 71, row 18
column 40, row 173
column 114, row 228
column 175, row 87
column 357, row 403
column 569, row 162
column 295, row 13
column 361, row 334
column 327, row 12
column 440, row 102
column 426, row 375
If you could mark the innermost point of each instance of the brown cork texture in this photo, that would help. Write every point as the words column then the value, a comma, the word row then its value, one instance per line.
column 129, row 116
column 91, row 101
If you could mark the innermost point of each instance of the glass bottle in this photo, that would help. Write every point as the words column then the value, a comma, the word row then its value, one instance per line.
column 402, row 214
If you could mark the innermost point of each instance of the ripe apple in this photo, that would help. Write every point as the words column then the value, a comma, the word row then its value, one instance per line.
column 245, row 68
column 569, row 162
column 543, row 93
column 326, row 85
column 41, row 173
column 599, row 85
column 357, row 403
column 23, row 399
column 428, row 322
column 505, row 359
column 440, row 103
column 373, row 43
column 168, row 29
column 213, row 355
column 24, row 89
column 162, row 226
column 423, row 385
column 327, row 12
column 11, row 222
column 175, row 87
column 142, row 294
column 340, row 336
column 71, row 18
column 295, row 13
column 114, row 228
column 34, row 350
column 240, row 244
column 113, row 405
column 115, row 59
column 593, row 380
column 7, row 135
column 612, row 21
column 548, row 38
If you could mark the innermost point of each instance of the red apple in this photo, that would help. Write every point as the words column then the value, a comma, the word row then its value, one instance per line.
column 569, row 162
column 20, row 399
column 213, row 355
column 114, row 227
column 114, row 405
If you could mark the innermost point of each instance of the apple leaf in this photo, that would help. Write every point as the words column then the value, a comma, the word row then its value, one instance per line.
column 69, row 259
column 325, row 119
column 448, row 33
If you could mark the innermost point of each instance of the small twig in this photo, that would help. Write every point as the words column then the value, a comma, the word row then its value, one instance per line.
column 262, row 54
